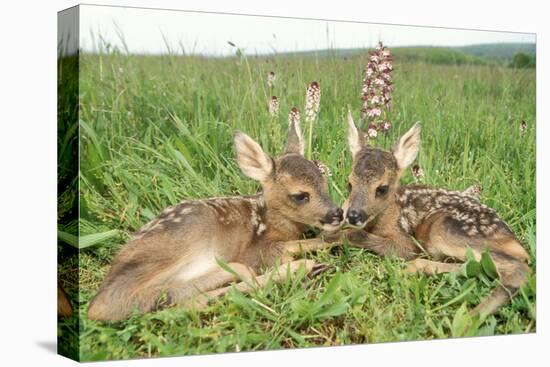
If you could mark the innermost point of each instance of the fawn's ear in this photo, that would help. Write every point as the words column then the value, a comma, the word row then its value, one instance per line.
column 355, row 140
column 406, row 148
column 251, row 158
column 295, row 141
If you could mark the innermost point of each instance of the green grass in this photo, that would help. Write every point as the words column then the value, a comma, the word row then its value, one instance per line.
column 155, row 130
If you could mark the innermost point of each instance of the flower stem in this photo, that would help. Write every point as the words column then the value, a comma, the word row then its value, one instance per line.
column 309, row 139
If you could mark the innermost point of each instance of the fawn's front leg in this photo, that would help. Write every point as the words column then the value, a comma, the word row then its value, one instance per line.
column 297, row 247
column 399, row 246
column 430, row 267
column 277, row 274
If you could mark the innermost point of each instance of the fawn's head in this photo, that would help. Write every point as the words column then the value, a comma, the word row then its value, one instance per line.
column 376, row 173
column 292, row 186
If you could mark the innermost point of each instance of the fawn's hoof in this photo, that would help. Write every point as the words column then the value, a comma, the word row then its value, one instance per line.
column 319, row 269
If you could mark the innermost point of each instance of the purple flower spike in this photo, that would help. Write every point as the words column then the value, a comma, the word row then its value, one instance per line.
column 377, row 88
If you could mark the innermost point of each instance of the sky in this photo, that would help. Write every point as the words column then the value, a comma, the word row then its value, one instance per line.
column 153, row 31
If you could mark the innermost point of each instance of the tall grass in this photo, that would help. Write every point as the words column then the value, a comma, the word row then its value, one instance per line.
column 157, row 129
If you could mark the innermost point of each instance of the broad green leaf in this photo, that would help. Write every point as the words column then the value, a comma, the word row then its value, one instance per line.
column 488, row 265
column 464, row 324
column 96, row 238
column 87, row 240
column 333, row 310
column 331, row 290
column 470, row 269
column 461, row 322
column 68, row 238
column 470, row 254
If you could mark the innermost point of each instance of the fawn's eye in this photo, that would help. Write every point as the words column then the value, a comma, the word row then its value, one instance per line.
column 382, row 190
column 349, row 186
column 300, row 198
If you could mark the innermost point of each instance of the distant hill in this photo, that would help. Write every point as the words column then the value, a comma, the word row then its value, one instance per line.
column 435, row 55
column 499, row 51
column 481, row 54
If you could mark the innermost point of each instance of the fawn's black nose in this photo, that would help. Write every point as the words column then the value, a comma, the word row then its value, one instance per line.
column 356, row 217
column 334, row 216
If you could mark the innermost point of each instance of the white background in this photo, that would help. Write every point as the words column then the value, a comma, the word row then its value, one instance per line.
column 28, row 182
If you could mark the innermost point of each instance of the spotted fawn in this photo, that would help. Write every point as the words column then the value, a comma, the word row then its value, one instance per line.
column 388, row 216
column 176, row 257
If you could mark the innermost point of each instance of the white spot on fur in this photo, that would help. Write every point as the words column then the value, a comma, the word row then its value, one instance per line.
column 186, row 210
column 261, row 229
column 404, row 224
column 168, row 210
column 254, row 219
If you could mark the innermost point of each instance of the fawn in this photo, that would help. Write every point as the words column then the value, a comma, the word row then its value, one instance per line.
column 174, row 258
column 444, row 222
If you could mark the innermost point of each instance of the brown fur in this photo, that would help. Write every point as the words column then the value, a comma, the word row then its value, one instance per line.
column 444, row 222
column 173, row 259
column 63, row 305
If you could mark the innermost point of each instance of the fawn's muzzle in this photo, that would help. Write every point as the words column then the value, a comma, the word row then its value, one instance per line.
column 334, row 217
column 357, row 217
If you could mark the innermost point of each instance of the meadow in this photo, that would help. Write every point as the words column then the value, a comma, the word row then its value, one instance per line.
column 155, row 130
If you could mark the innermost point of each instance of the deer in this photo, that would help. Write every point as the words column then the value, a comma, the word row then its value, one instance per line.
column 177, row 258
column 387, row 219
